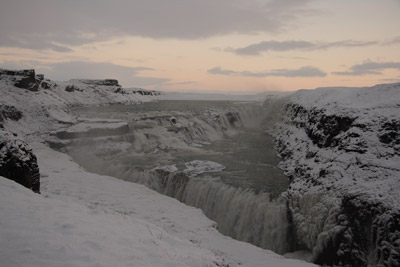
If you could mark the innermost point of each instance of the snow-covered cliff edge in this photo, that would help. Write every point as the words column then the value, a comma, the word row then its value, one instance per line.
column 42, row 105
column 341, row 149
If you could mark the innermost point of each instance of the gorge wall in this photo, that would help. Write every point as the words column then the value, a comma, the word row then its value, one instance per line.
column 340, row 148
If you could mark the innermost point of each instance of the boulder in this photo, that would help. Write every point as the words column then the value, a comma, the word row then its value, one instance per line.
column 9, row 112
column 17, row 161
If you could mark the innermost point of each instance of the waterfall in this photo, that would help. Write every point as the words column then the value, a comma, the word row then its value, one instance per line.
column 254, row 217
column 241, row 213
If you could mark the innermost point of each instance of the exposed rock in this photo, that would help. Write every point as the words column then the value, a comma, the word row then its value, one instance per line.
column 389, row 135
column 17, row 161
column 141, row 91
column 374, row 232
column 71, row 88
column 9, row 112
column 106, row 82
column 233, row 117
column 40, row 77
column 45, row 85
column 25, row 79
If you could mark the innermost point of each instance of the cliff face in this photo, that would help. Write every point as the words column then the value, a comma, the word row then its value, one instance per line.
column 340, row 147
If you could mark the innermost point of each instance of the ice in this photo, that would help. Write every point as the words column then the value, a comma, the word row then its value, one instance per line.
column 196, row 167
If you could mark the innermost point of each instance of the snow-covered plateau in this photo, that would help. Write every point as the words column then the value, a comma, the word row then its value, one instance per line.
column 86, row 219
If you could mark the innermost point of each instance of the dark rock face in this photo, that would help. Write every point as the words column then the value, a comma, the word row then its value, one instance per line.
column 17, row 162
column 233, row 117
column 9, row 112
column 45, row 85
column 146, row 92
column 70, row 88
column 374, row 232
column 322, row 129
column 389, row 134
column 106, row 82
column 25, row 79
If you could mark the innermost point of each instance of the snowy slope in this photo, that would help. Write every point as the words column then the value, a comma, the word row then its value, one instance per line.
column 39, row 231
column 46, row 109
column 83, row 219
column 341, row 148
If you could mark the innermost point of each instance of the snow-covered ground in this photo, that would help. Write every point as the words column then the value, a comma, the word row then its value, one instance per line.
column 84, row 219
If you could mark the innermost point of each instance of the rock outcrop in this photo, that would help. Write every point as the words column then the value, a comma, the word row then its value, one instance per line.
column 105, row 82
column 9, row 112
column 340, row 148
column 17, row 161
column 25, row 79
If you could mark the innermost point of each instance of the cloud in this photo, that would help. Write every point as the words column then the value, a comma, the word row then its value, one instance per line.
column 346, row 43
column 127, row 76
column 369, row 67
column 393, row 41
column 56, row 25
column 306, row 71
column 257, row 49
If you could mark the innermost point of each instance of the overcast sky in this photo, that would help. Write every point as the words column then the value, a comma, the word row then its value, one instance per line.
column 227, row 45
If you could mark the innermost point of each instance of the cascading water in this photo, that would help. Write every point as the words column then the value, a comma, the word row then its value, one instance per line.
column 240, row 213
column 243, row 198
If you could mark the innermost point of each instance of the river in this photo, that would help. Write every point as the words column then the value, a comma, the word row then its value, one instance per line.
column 243, row 198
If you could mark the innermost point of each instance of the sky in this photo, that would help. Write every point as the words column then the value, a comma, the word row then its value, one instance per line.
column 208, row 45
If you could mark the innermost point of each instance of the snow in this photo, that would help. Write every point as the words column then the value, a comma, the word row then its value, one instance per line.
column 84, row 126
column 229, row 96
column 84, row 219
column 42, row 231
column 357, row 163
column 46, row 110
column 374, row 171
column 196, row 167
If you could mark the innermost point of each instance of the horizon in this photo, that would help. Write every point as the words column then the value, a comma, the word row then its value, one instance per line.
column 218, row 46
